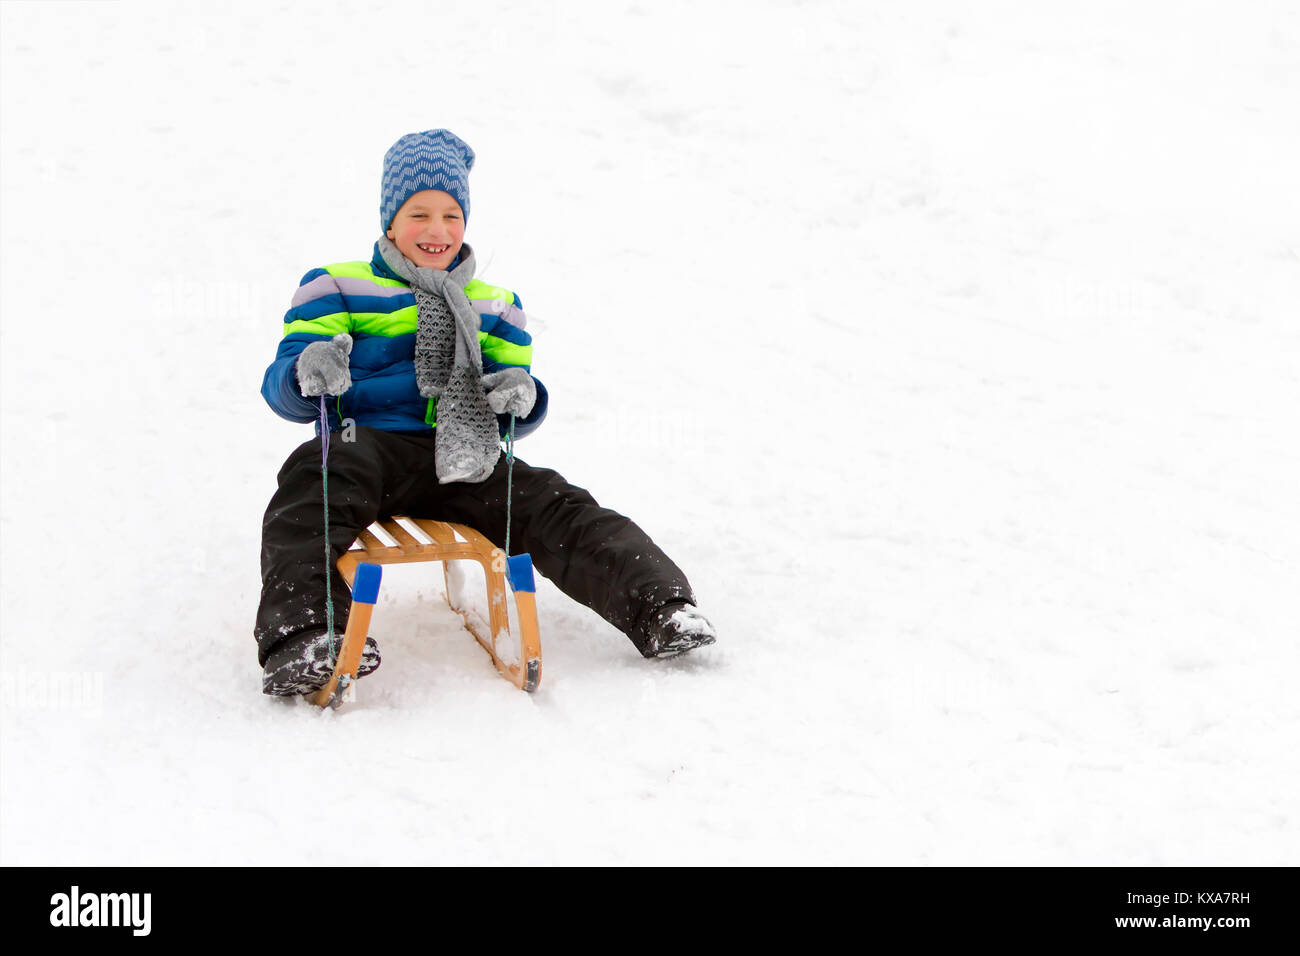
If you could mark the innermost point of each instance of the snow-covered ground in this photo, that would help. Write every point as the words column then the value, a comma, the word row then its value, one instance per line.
column 950, row 348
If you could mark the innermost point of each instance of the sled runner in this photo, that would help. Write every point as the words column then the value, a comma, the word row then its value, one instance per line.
column 446, row 543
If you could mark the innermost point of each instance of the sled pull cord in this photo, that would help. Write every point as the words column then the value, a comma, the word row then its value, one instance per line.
column 510, row 475
column 325, row 495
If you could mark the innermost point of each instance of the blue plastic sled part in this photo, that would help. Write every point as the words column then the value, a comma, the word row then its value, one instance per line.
column 519, row 572
column 365, row 585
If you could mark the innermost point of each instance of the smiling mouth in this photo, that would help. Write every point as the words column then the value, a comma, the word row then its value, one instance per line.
column 431, row 250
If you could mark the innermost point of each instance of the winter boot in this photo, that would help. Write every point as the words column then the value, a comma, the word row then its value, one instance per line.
column 304, row 663
column 672, row 629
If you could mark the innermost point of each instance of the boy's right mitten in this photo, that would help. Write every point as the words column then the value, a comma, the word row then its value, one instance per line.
column 323, row 367
column 511, row 391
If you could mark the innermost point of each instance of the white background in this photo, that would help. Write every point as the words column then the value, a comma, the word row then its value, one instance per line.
column 951, row 350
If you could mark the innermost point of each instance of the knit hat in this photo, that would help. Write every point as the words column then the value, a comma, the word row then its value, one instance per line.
column 434, row 159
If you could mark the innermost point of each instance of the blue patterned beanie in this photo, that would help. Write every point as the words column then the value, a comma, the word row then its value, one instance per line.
column 434, row 159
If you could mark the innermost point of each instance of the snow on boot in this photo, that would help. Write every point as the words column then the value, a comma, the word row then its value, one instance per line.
column 675, row 628
column 304, row 663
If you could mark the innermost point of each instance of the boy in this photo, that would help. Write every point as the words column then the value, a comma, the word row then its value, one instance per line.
column 428, row 364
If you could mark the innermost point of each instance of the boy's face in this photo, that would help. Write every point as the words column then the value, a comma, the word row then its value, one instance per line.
column 429, row 229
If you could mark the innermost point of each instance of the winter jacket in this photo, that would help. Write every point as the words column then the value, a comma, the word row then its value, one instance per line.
column 375, row 307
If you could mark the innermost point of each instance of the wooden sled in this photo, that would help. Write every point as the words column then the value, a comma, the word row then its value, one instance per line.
column 446, row 543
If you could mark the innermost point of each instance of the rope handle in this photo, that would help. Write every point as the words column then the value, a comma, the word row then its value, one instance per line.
column 510, row 474
column 325, row 496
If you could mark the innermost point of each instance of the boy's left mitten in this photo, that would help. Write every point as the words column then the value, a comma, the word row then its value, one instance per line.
column 323, row 367
column 511, row 391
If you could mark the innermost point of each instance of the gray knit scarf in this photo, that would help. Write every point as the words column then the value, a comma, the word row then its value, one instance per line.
column 449, row 365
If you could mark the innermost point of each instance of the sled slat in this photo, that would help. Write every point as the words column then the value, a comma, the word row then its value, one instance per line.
column 400, row 535
column 439, row 531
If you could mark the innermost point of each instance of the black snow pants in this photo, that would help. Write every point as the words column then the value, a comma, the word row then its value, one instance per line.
column 594, row 555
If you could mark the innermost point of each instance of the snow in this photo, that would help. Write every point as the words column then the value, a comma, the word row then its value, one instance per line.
column 950, row 349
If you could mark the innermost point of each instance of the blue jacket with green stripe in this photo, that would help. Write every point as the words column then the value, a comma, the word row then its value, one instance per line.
column 375, row 307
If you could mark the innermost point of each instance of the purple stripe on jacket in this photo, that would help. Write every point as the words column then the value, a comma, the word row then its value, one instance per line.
column 322, row 286
column 508, row 311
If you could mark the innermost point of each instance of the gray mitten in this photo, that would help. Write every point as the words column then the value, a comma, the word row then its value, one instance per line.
column 323, row 367
column 511, row 391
